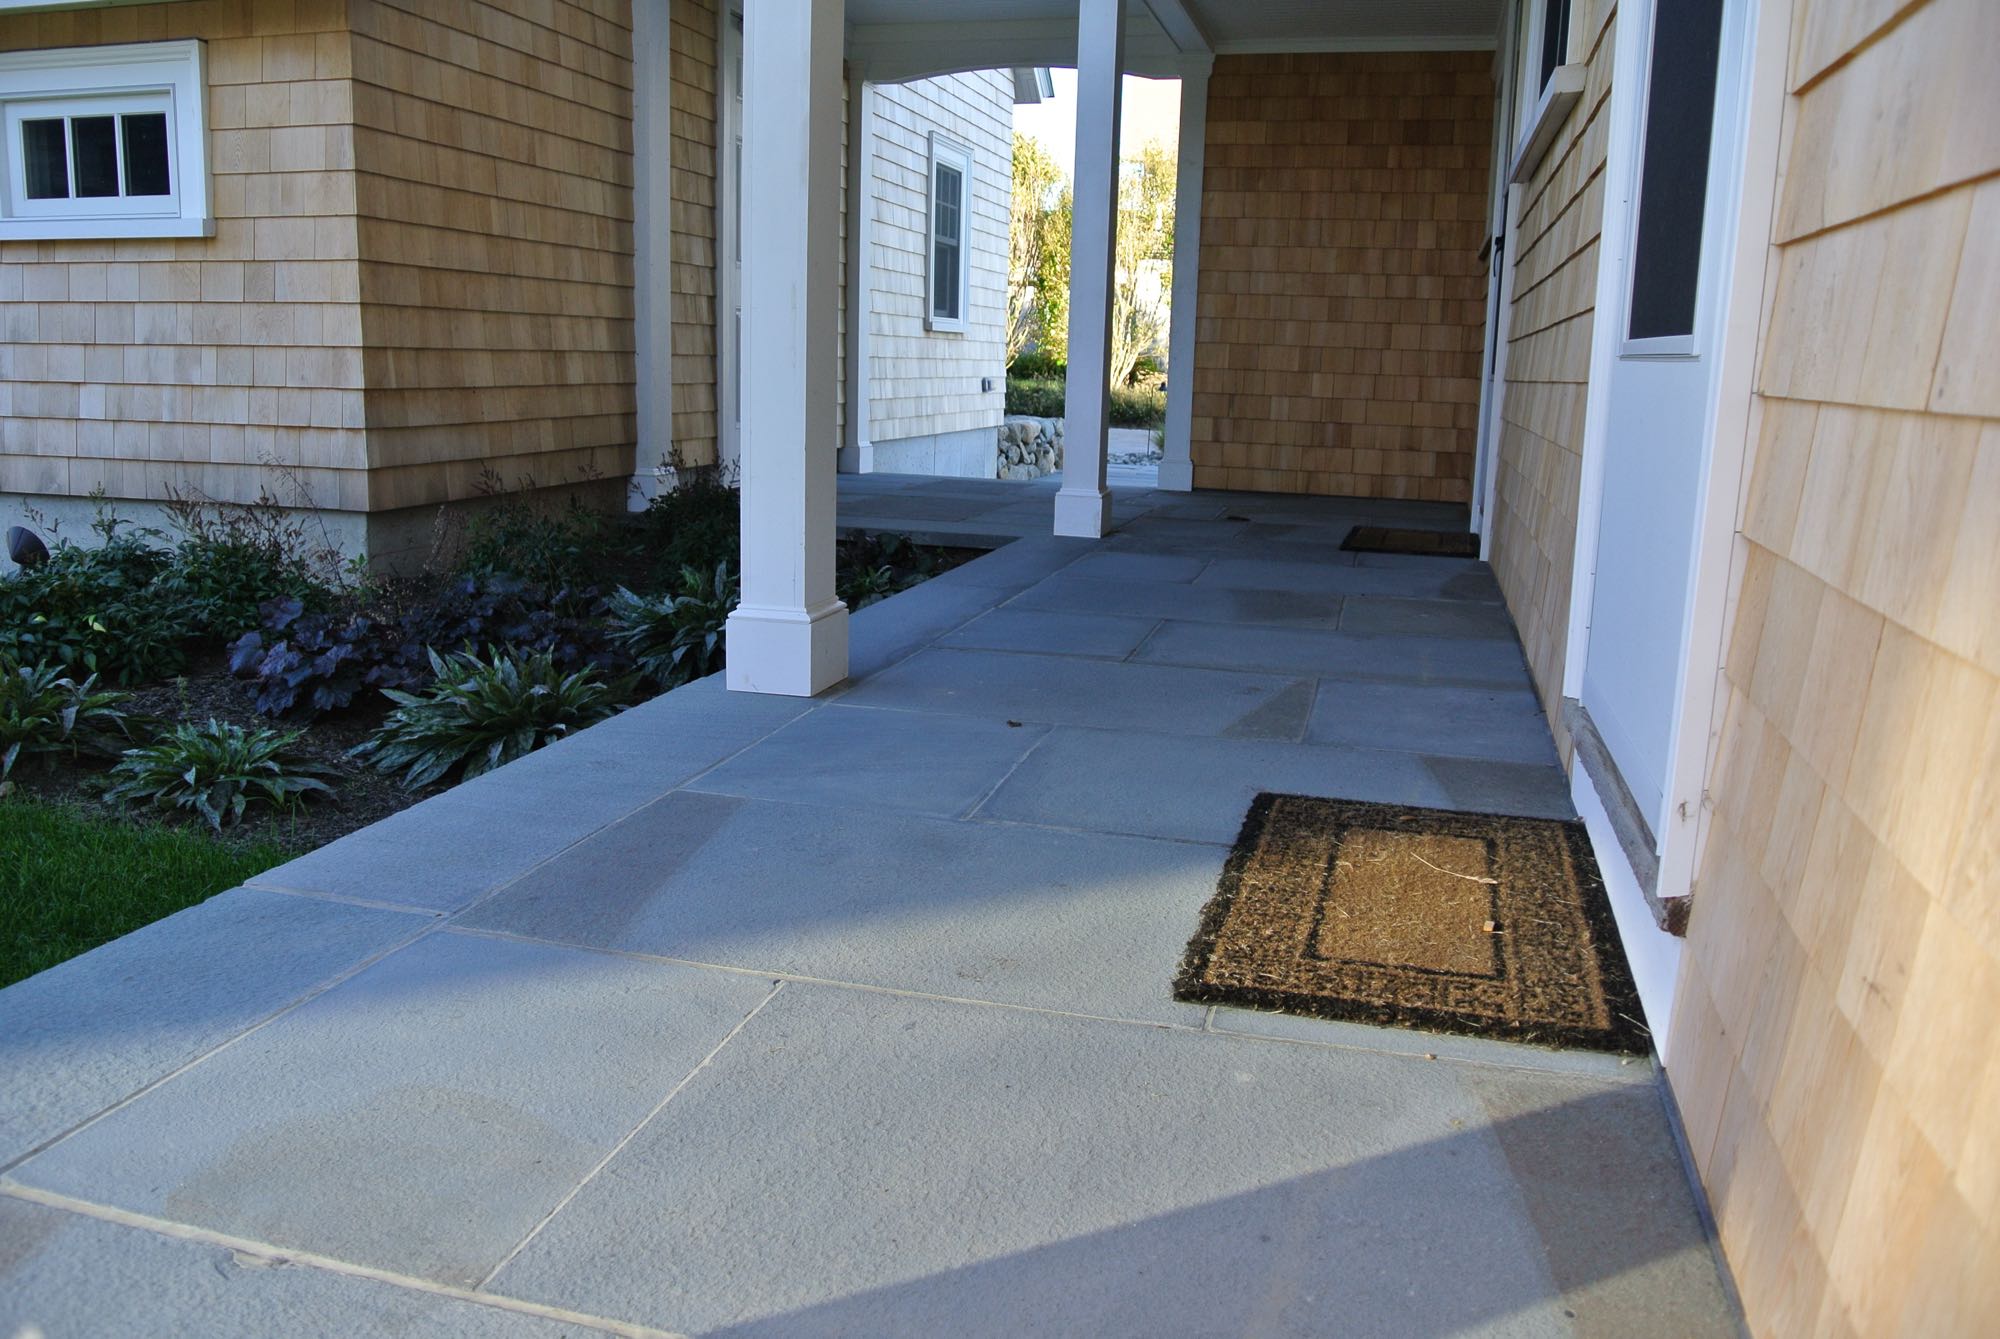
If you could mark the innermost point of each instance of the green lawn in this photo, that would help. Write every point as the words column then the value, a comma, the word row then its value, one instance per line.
column 71, row 879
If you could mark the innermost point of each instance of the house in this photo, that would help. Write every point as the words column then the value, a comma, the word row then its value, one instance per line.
column 1690, row 305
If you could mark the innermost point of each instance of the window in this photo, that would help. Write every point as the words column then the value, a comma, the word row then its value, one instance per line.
column 103, row 142
column 1555, row 40
column 1673, row 172
column 951, row 197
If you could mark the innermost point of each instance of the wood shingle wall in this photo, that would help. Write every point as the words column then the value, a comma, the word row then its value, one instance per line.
column 1833, row 1042
column 1342, row 305
column 227, row 366
column 493, row 157
column 1539, row 464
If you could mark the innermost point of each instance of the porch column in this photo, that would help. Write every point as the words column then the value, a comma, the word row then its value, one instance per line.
column 789, row 633
column 857, row 448
column 1083, row 507
column 1177, row 461
column 652, row 245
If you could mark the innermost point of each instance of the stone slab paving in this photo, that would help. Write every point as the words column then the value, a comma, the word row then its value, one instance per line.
column 749, row 1016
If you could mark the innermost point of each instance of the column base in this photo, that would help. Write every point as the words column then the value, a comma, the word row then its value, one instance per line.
column 790, row 652
column 1177, row 476
column 1083, row 513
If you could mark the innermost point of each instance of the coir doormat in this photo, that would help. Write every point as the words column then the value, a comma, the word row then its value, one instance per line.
column 1422, row 918
column 1424, row 543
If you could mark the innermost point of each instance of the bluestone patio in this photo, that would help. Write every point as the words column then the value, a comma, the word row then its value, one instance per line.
column 752, row 1015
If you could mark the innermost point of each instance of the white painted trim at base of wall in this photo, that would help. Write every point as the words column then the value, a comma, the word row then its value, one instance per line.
column 1653, row 954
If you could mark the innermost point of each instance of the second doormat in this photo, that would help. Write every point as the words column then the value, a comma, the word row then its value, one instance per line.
column 1424, row 543
column 1423, row 918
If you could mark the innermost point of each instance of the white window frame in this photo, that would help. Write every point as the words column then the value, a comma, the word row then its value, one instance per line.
column 947, row 152
column 1694, row 343
column 84, row 81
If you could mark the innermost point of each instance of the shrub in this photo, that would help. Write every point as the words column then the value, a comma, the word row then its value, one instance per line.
column 554, row 547
column 1037, row 366
column 307, row 662
column 43, row 711
column 699, row 523
column 1138, row 407
column 217, row 770
column 676, row 638
column 1038, row 397
column 480, row 714
column 234, row 558
column 114, row 610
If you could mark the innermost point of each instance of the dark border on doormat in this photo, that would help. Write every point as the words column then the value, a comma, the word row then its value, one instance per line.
column 1628, row 1035
column 1432, row 544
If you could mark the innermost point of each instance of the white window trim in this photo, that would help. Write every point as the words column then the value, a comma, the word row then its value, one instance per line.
column 951, row 153
column 176, row 69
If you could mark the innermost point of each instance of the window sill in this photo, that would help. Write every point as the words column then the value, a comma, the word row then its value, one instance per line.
column 937, row 326
column 70, row 230
column 1564, row 89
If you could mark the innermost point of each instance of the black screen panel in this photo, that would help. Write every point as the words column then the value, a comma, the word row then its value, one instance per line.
column 1673, row 180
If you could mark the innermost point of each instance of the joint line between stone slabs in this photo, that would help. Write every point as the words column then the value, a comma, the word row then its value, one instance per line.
column 1131, row 657
column 831, row 983
column 1020, row 762
column 630, row 1135
column 311, row 993
column 263, row 1250
column 345, row 899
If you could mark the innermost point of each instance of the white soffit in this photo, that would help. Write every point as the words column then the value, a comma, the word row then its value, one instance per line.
column 1348, row 25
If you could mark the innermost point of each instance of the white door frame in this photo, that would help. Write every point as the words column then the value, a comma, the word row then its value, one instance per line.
column 1756, row 38
column 1499, row 284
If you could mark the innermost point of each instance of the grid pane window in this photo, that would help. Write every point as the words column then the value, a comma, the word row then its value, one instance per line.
column 146, row 171
column 946, row 232
column 45, row 155
column 93, row 142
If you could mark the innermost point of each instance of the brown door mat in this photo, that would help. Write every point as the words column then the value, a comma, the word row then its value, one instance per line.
column 1423, row 543
column 1420, row 918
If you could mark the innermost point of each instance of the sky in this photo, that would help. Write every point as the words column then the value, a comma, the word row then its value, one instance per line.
column 1151, row 111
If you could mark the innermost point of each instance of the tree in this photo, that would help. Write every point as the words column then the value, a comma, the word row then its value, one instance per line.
column 1144, row 273
column 1038, row 252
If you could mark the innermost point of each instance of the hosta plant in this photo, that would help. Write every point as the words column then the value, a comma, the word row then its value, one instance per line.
column 45, row 711
column 481, row 713
column 219, row 771
column 676, row 638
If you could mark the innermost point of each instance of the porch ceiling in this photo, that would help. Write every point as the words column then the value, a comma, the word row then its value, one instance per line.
column 895, row 40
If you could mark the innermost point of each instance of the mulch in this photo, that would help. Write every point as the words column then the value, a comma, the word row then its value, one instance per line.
column 361, row 796
column 1481, row 924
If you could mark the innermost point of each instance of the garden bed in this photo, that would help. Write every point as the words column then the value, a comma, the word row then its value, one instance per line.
column 231, row 686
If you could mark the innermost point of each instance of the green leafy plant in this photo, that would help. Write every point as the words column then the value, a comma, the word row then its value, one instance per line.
column 480, row 714
column 676, row 638
column 217, row 770
column 43, row 711
column 113, row 609
column 698, row 522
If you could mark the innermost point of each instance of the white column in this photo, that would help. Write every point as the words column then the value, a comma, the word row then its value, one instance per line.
column 1083, row 507
column 857, row 449
column 789, row 634
column 1177, row 461
column 652, row 245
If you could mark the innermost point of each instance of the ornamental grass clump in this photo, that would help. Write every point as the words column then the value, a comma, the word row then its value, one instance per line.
column 44, row 712
column 219, row 771
column 483, row 713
